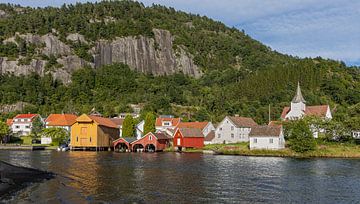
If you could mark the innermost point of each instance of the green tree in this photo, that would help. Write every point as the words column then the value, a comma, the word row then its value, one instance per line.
column 4, row 130
column 58, row 135
column 37, row 127
column 300, row 136
column 128, row 128
column 149, row 125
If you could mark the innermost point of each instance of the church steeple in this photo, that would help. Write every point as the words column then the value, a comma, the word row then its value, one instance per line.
column 298, row 97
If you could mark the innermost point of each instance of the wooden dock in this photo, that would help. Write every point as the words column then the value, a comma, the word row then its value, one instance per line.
column 21, row 147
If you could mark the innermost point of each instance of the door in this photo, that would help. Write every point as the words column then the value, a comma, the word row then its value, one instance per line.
column 178, row 141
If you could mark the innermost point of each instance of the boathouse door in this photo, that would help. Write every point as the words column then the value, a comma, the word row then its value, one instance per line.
column 178, row 141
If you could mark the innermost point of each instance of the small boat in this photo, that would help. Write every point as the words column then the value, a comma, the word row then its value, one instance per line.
column 63, row 148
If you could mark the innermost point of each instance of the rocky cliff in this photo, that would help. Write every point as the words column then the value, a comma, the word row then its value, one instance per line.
column 144, row 54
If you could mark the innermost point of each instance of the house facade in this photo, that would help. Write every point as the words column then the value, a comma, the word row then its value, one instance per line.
column 267, row 137
column 164, row 123
column 298, row 109
column 139, row 129
column 118, row 122
column 233, row 129
column 188, row 138
column 22, row 124
column 93, row 132
column 64, row 121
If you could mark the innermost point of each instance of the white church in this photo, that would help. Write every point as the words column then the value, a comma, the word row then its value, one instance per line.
column 298, row 109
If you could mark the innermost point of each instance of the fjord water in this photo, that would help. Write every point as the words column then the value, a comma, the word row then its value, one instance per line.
column 87, row 177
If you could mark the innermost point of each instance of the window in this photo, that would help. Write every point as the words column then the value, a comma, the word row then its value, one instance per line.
column 27, row 126
column 22, row 120
column 150, row 138
column 17, row 127
column 77, row 139
column 84, row 130
column 271, row 141
column 220, row 129
column 232, row 135
column 90, row 139
column 255, row 140
column 232, row 127
column 219, row 135
column 166, row 124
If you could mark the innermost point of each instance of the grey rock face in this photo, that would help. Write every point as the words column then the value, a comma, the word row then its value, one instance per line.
column 75, row 37
column 147, row 55
column 143, row 54
column 8, row 108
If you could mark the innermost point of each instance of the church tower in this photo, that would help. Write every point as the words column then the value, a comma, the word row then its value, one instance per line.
column 298, row 103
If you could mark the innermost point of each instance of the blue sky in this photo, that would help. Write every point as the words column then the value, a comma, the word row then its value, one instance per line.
column 305, row 28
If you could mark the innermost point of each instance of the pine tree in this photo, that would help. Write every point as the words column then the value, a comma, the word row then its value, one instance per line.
column 4, row 130
column 128, row 128
column 149, row 125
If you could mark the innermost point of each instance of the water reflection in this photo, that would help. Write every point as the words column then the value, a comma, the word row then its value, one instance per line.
column 186, row 178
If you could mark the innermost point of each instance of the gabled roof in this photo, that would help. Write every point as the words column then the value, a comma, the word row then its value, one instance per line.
column 200, row 125
column 191, row 132
column 117, row 121
column 126, row 139
column 99, row 120
column 26, row 116
column 9, row 122
column 242, row 121
column 61, row 119
column 174, row 121
column 265, row 131
column 298, row 96
column 319, row 111
column 210, row 136
column 161, row 136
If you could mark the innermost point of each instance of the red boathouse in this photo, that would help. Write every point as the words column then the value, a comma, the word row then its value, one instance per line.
column 188, row 138
column 151, row 142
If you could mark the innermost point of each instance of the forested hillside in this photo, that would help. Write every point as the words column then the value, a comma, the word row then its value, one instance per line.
column 239, row 74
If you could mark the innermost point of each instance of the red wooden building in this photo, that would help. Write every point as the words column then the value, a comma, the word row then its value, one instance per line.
column 151, row 142
column 188, row 138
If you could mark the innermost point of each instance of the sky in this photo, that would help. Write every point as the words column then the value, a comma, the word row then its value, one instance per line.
column 304, row 28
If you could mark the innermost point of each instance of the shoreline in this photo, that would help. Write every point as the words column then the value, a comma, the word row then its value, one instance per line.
column 15, row 178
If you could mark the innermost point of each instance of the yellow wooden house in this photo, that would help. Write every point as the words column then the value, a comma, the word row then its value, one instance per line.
column 93, row 133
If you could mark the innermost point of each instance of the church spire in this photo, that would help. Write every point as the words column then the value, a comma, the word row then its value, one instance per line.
column 298, row 97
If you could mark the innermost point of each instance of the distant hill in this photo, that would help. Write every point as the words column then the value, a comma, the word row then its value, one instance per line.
column 109, row 54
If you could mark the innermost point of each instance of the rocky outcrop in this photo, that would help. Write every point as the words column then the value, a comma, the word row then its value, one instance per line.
column 144, row 54
column 147, row 55
column 9, row 108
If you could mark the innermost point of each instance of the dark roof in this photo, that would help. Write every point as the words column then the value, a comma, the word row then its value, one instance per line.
column 161, row 135
column 117, row 121
column 265, row 131
column 243, row 121
column 298, row 96
column 191, row 132
column 129, row 139
column 210, row 136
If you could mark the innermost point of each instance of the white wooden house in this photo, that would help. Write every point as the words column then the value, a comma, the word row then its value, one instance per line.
column 267, row 137
column 233, row 129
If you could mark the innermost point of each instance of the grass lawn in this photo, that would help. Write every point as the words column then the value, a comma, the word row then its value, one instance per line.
column 323, row 149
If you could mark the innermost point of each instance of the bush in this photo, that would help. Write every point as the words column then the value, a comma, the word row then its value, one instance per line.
column 300, row 136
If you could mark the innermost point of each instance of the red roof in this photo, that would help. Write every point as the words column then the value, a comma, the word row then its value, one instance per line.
column 174, row 121
column 61, row 119
column 103, row 121
column 25, row 116
column 243, row 121
column 319, row 111
column 9, row 122
column 200, row 125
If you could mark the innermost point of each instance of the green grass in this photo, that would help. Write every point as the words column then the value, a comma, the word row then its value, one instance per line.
column 323, row 149
column 26, row 140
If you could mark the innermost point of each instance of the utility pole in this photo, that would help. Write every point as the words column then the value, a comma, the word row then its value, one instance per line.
column 269, row 113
